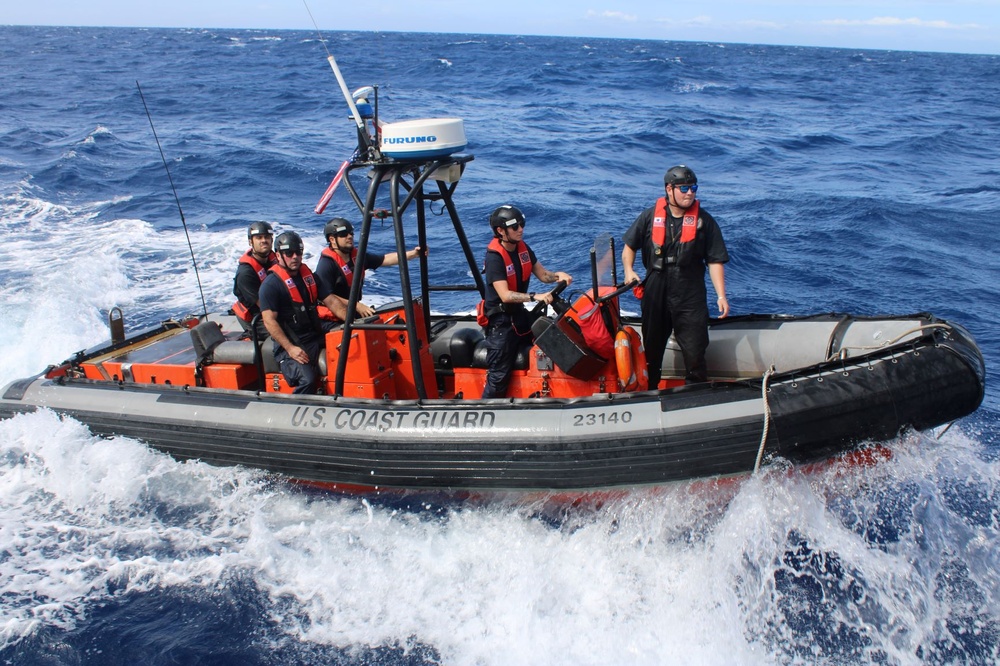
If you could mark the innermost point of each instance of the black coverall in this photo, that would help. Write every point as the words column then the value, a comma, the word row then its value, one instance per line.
column 675, row 296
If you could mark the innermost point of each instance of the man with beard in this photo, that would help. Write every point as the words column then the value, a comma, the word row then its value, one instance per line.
column 250, row 273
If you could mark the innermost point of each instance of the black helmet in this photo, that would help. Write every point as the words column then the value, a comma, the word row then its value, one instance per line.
column 503, row 216
column 335, row 227
column 259, row 229
column 679, row 175
column 289, row 240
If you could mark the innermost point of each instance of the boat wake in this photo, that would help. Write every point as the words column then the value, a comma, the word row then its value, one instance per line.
column 894, row 562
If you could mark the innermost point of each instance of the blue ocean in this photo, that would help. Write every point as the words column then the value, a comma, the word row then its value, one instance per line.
column 843, row 180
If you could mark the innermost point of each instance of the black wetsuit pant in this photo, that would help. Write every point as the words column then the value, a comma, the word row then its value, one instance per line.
column 302, row 377
column 672, row 304
column 505, row 335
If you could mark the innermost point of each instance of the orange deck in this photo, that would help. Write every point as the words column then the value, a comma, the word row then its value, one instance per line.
column 379, row 367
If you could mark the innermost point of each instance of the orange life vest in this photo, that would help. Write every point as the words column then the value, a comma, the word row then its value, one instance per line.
column 293, row 289
column 324, row 312
column 344, row 265
column 482, row 316
column 689, row 226
column 304, row 314
column 240, row 310
column 508, row 262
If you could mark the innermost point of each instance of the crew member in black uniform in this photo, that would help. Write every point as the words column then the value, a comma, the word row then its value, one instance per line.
column 288, row 299
column 335, row 268
column 508, row 268
column 250, row 272
column 677, row 239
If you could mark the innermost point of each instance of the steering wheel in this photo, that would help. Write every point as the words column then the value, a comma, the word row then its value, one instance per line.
column 559, row 304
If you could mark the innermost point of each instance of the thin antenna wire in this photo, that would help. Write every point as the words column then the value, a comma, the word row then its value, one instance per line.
column 364, row 140
column 176, row 198
column 316, row 25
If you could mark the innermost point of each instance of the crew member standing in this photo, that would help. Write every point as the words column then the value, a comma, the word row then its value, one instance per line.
column 678, row 240
column 288, row 298
column 335, row 268
column 508, row 267
column 250, row 272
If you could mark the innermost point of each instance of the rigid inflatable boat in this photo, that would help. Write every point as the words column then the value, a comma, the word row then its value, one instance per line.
column 400, row 406
column 802, row 388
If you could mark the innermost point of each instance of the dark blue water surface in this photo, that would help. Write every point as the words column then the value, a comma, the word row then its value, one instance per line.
column 844, row 180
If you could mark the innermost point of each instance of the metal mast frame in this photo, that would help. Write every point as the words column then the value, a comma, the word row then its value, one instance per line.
column 406, row 181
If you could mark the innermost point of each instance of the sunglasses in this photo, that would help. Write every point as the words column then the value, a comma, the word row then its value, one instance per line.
column 513, row 224
column 687, row 188
column 291, row 253
column 344, row 234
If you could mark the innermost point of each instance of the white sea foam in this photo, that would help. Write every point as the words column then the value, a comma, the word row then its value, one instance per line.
column 100, row 130
column 75, row 523
column 690, row 574
column 65, row 268
column 687, row 574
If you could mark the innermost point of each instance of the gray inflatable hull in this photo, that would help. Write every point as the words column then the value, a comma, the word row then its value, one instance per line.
column 818, row 386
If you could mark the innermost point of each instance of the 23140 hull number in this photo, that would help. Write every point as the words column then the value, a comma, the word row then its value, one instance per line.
column 602, row 418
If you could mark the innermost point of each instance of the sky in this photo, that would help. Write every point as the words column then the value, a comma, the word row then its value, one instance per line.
column 956, row 26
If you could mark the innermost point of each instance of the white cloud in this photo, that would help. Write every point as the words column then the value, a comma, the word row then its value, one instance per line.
column 690, row 22
column 769, row 25
column 892, row 21
column 614, row 16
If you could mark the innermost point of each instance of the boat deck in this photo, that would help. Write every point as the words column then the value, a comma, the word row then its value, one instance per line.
column 453, row 362
column 379, row 364
column 166, row 358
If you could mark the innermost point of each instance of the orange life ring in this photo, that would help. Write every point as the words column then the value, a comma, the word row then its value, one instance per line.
column 627, row 379
column 630, row 357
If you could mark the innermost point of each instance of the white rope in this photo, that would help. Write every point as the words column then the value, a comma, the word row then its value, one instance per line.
column 767, row 418
column 888, row 343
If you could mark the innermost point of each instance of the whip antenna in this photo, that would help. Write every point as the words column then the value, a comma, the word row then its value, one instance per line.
column 176, row 199
column 364, row 141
